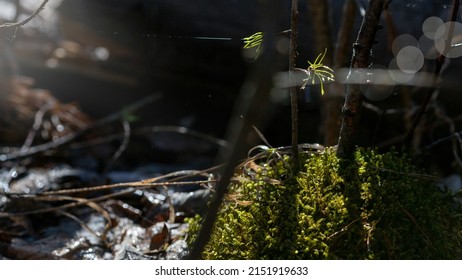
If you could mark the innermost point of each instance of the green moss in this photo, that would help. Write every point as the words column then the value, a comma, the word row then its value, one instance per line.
column 372, row 207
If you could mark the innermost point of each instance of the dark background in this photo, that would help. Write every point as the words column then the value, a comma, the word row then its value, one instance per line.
column 153, row 50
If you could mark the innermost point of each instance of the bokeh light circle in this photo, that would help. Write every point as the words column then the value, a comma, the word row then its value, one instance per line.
column 432, row 28
column 440, row 44
column 402, row 41
column 410, row 59
column 427, row 46
column 397, row 75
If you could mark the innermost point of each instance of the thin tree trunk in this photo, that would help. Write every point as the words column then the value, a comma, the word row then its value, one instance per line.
column 294, row 89
column 351, row 111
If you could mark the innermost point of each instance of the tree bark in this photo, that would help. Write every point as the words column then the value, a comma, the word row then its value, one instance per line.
column 351, row 111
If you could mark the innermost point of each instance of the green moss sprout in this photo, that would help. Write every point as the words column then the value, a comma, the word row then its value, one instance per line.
column 318, row 71
column 254, row 41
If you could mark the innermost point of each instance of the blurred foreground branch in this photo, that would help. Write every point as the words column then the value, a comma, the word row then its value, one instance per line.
column 252, row 102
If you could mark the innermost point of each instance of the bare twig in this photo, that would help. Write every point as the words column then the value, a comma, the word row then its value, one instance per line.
column 68, row 138
column 122, row 147
column 456, row 140
column 38, row 121
column 56, row 195
column 18, row 24
column 294, row 89
column 81, row 201
column 26, row 20
column 148, row 130
column 80, row 222
column 442, row 140
column 171, row 179
column 171, row 207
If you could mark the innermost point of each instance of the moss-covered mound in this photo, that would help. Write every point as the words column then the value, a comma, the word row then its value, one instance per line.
column 372, row 207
